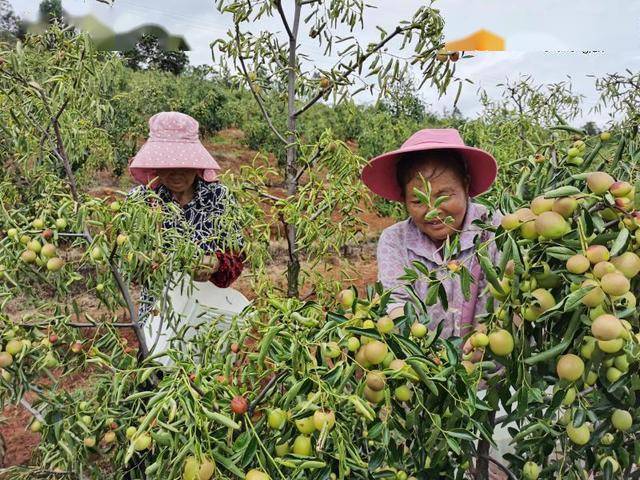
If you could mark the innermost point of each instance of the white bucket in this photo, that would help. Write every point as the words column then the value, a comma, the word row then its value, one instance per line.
column 193, row 305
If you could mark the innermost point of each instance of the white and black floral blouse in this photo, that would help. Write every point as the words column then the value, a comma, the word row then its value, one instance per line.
column 202, row 217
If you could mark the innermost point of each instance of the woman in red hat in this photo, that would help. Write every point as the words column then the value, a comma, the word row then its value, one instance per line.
column 179, row 170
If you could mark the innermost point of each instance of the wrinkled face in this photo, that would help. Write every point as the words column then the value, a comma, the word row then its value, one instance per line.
column 177, row 180
column 444, row 182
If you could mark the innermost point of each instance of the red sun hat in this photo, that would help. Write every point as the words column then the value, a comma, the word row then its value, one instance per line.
column 380, row 174
column 173, row 143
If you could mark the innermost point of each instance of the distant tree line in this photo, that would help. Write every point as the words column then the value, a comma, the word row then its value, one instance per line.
column 147, row 54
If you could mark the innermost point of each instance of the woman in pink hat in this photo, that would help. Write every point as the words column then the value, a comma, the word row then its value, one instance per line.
column 454, row 171
column 459, row 173
column 176, row 166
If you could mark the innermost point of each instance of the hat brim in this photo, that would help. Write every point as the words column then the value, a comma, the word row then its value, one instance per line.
column 155, row 155
column 381, row 177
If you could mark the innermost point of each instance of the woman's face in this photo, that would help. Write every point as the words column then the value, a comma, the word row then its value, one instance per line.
column 178, row 180
column 444, row 182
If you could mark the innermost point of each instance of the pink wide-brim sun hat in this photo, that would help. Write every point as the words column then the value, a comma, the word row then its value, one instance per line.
column 380, row 173
column 173, row 142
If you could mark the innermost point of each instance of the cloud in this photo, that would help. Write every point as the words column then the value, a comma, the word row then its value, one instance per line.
column 532, row 41
column 528, row 29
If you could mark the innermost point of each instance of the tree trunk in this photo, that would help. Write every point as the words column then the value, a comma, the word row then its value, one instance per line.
column 293, row 265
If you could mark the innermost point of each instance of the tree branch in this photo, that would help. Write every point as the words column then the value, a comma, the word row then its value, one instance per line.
column 308, row 164
column 29, row 408
column 350, row 69
column 509, row 473
column 275, row 379
column 133, row 314
column 284, row 18
column 97, row 325
column 261, row 193
column 266, row 115
column 59, row 149
column 320, row 211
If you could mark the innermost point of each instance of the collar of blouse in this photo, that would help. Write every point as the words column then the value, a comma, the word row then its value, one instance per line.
column 423, row 246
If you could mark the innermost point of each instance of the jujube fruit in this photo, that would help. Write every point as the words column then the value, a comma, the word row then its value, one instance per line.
column 595, row 296
column 322, row 418
column 579, row 435
column 239, row 405
column 376, row 380
column 305, row 425
column 540, row 205
column 615, row 284
column 578, row 264
column 606, row 327
column 599, row 182
column 374, row 396
column 256, row 475
column 597, row 253
column 531, row 471
column 551, row 225
column 302, row 445
column 621, row 420
column 403, row 393
column 570, row 367
column 375, row 352
column 565, row 206
column 627, row 263
column 501, row 342
column 600, row 269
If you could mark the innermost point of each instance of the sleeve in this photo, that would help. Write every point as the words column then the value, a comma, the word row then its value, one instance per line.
column 227, row 237
column 391, row 266
column 231, row 266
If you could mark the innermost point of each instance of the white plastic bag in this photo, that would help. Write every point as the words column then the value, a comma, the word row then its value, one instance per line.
column 193, row 306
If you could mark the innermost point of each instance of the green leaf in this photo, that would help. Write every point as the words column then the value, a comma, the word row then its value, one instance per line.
column 490, row 273
column 249, row 452
column 453, row 444
column 523, row 401
column 227, row 463
column 442, row 295
column 404, row 345
column 421, row 267
column 620, row 242
column 574, row 299
column 432, row 294
column 452, row 353
column 440, row 200
column 567, row 339
column 562, row 192
column 462, row 435
column 561, row 253
column 579, row 417
column 376, row 459
column 465, row 281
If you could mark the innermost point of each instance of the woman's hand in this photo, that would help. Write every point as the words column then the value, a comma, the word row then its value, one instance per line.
column 208, row 266
column 474, row 354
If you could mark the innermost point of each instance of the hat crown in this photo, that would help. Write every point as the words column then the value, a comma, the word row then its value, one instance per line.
column 173, row 126
column 426, row 136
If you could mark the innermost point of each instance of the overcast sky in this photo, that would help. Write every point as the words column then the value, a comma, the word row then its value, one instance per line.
column 544, row 38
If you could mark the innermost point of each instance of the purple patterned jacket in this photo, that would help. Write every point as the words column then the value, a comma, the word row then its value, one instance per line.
column 402, row 243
